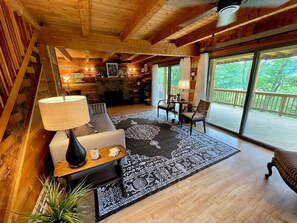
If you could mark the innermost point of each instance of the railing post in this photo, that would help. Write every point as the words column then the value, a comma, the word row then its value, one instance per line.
column 283, row 104
column 235, row 99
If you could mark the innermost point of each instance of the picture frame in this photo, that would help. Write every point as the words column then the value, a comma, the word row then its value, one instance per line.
column 77, row 77
column 112, row 69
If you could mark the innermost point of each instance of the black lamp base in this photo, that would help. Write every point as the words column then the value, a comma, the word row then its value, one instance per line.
column 76, row 153
column 78, row 165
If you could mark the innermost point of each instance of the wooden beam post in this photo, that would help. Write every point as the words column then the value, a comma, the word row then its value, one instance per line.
column 64, row 53
column 83, row 6
column 194, row 14
column 245, row 16
column 142, row 15
column 107, row 56
column 73, row 39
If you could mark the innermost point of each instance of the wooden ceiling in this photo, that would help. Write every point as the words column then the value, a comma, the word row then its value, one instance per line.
column 134, row 28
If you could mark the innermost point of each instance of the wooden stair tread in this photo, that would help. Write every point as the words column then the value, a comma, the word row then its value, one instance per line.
column 33, row 59
column 30, row 70
column 15, row 118
column 6, row 144
column 26, row 83
column 21, row 98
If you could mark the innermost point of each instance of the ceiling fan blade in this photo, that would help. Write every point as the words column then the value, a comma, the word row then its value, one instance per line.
column 263, row 3
column 226, row 19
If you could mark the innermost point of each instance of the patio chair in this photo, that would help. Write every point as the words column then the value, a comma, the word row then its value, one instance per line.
column 167, row 104
column 197, row 115
column 286, row 164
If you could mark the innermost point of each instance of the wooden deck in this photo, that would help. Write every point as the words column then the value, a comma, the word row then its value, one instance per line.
column 270, row 128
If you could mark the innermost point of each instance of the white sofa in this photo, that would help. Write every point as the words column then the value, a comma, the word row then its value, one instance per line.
column 100, row 122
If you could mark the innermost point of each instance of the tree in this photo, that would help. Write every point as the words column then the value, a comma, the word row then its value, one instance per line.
column 278, row 75
column 233, row 75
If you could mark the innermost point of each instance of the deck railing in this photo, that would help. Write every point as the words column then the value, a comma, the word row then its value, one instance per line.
column 283, row 104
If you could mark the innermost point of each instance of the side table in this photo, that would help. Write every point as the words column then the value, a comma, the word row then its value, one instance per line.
column 104, row 170
column 180, row 103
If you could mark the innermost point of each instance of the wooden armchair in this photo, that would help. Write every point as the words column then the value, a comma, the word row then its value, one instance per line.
column 286, row 164
column 167, row 104
column 197, row 115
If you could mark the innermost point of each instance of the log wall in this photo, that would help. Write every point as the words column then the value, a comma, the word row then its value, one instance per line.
column 23, row 141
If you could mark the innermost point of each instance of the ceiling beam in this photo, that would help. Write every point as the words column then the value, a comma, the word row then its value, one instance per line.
column 96, row 42
column 245, row 16
column 193, row 15
column 64, row 53
column 274, row 25
column 129, row 57
column 107, row 56
column 141, row 58
column 87, row 56
column 143, row 14
column 17, row 6
column 162, row 60
column 83, row 6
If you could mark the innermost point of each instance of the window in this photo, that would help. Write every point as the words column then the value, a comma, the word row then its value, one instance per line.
column 168, row 78
column 230, row 77
column 257, row 98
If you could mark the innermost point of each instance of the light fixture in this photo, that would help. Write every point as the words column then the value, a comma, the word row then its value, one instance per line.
column 184, row 85
column 92, row 68
column 227, row 11
column 193, row 74
column 66, row 113
column 86, row 69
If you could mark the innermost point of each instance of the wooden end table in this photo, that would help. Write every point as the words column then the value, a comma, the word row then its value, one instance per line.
column 180, row 109
column 97, row 172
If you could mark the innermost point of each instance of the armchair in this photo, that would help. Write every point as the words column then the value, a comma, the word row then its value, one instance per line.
column 167, row 104
column 197, row 115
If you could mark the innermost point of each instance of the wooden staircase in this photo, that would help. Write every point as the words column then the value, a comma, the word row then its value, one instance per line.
column 20, row 72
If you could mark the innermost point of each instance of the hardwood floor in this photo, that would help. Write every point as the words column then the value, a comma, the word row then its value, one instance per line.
column 233, row 190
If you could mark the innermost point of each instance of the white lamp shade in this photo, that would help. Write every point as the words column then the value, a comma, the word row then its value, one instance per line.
column 61, row 113
column 183, row 84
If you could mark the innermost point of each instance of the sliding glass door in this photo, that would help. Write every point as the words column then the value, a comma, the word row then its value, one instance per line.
column 229, row 82
column 168, row 78
column 256, row 96
column 272, row 117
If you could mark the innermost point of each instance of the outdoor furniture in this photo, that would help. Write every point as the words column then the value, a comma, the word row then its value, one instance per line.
column 167, row 104
column 198, row 115
column 286, row 164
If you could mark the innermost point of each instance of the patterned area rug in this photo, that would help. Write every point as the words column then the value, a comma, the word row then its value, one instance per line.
column 159, row 154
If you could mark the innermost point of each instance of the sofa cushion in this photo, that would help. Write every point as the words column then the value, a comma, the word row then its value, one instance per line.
column 102, row 122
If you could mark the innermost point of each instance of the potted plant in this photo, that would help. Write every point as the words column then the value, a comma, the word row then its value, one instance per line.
column 61, row 205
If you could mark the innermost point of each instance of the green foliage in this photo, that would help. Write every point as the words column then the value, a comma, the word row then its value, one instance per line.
column 233, row 75
column 278, row 75
column 175, row 75
column 61, row 204
column 275, row 75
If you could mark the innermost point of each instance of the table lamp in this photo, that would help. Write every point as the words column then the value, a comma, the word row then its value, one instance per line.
column 66, row 113
column 184, row 85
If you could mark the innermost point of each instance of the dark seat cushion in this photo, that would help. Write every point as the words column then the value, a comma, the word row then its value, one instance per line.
column 286, row 163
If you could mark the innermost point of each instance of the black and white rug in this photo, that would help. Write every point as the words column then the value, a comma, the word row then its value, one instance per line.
column 159, row 154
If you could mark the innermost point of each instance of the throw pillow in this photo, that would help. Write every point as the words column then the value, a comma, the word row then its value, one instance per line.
column 84, row 130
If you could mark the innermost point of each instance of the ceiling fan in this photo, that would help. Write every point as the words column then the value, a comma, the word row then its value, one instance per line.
column 227, row 9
